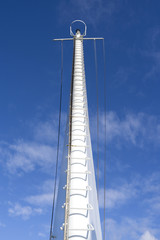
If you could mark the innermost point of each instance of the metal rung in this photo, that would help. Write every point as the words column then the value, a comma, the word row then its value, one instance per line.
column 78, row 84
column 79, row 105
column 79, row 116
column 88, row 188
column 89, row 207
column 86, row 172
column 80, row 95
column 77, row 146
column 80, row 135
column 74, row 107
column 82, row 125
column 86, row 158
column 89, row 228
column 78, row 75
column 78, row 80
column 81, row 101
column 79, row 90
column 81, row 109
column 78, row 99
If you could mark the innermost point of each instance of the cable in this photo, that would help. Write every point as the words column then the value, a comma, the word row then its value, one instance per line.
column 57, row 158
column 105, row 150
column 96, row 68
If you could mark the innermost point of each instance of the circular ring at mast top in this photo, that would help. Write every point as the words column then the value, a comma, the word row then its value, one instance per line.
column 85, row 28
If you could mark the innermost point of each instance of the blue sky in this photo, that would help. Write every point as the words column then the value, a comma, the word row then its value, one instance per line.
column 29, row 98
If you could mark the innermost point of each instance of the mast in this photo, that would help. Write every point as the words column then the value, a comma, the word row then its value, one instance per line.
column 81, row 218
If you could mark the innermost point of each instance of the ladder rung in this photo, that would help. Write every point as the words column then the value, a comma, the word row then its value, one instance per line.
column 88, row 188
column 80, row 125
column 86, row 146
column 86, row 172
column 80, row 135
column 78, row 95
column 89, row 207
column 78, row 80
column 89, row 228
column 75, row 106
column 79, row 90
column 80, row 109
column 79, row 100
column 79, row 105
column 86, row 158
column 79, row 116
column 78, row 75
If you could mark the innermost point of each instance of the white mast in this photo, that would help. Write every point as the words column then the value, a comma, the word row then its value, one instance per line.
column 82, row 220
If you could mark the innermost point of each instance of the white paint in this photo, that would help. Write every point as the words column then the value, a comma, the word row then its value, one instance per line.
column 79, row 219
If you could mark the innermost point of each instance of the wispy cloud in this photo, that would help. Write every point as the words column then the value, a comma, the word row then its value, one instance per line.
column 152, row 52
column 40, row 234
column 137, row 129
column 41, row 199
column 23, row 156
column 143, row 190
column 116, row 197
column 132, row 229
column 2, row 225
column 93, row 11
column 23, row 211
column 148, row 236
column 45, row 197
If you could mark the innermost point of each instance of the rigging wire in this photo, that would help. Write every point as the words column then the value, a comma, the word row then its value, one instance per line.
column 105, row 139
column 96, row 68
column 58, row 143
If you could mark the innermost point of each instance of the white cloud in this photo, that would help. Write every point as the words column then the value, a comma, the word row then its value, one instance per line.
column 45, row 197
column 40, row 234
column 137, row 129
column 26, row 156
column 23, row 156
column 153, row 54
column 148, row 236
column 128, row 228
column 46, row 131
column 23, row 211
column 118, row 196
column 93, row 11
column 41, row 199
column 2, row 225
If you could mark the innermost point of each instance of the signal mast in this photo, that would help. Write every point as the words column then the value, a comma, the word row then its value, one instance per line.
column 77, row 212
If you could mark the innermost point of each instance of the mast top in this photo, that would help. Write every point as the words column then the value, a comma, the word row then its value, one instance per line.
column 85, row 28
column 77, row 33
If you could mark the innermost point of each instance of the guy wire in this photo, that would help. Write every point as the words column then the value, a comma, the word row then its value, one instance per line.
column 105, row 138
column 96, row 68
column 58, row 142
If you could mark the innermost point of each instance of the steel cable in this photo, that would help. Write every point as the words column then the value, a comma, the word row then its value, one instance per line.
column 58, row 143
column 105, row 139
column 96, row 68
